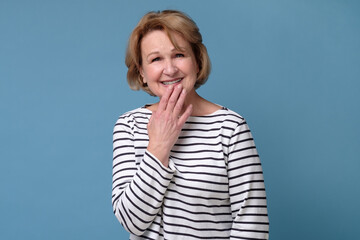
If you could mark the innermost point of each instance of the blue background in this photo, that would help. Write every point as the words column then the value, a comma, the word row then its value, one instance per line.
column 292, row 68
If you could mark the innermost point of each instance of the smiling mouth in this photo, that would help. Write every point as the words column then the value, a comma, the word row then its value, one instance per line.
column 172, row 82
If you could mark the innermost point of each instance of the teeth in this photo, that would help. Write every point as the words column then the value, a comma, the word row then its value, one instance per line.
column 172, row 82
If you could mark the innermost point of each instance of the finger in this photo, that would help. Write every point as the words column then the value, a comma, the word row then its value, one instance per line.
column 150, row 120
column 152, row 117
column 164, row 99
column 185, row 116
column 180, row 103
column 173, row 100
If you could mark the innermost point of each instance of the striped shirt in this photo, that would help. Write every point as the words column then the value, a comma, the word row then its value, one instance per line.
column 213, row 187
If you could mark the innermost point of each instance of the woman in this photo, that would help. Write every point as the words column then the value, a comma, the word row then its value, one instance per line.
column 184, row 167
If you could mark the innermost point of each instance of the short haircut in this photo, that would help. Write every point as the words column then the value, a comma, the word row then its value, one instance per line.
column 169, row 21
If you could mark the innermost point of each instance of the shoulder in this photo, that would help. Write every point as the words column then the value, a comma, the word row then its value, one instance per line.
column 137, row 113
column 223, row 119
column 232, row 115
column 228, row 116
column 130, row 118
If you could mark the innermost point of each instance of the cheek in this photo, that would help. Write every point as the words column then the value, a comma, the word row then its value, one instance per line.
column 151, row 73
column 192, row 66
column 146, row 74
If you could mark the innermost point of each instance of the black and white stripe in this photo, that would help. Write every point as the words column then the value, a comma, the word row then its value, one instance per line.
column 212, row 189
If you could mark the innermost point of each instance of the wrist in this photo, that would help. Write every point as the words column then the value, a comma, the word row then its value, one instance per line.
column 161, row 154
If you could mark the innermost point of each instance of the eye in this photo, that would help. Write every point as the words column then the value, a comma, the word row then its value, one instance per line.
column 179, row 55
column 155, row 59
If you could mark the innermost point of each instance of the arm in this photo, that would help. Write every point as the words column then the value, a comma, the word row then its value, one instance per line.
column 138, row 191
column 246, row 187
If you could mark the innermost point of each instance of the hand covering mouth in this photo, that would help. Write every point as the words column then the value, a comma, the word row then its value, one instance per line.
column 172, row 81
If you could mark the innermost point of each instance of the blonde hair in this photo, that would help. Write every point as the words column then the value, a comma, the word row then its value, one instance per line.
column 170, row 21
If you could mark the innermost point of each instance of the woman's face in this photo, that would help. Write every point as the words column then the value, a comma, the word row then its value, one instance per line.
column 163, row 65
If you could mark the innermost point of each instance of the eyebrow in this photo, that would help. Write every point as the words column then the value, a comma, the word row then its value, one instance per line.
column 147, row 57
column 151, row 53
column 172, row 50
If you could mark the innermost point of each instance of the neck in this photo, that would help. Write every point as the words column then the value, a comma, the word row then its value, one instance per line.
column 198, row 103
column 193, row 98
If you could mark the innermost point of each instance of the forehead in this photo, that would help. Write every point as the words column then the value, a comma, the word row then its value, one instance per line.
column 159, row 40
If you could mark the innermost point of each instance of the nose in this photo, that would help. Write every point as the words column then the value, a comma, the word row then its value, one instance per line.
column 170, row 68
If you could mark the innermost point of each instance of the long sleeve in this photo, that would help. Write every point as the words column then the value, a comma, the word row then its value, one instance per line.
column 246, row 187
column 138, row 188
column 213, row 187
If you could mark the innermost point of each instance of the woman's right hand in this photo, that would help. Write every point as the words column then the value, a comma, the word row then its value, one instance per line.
column 165, row 124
